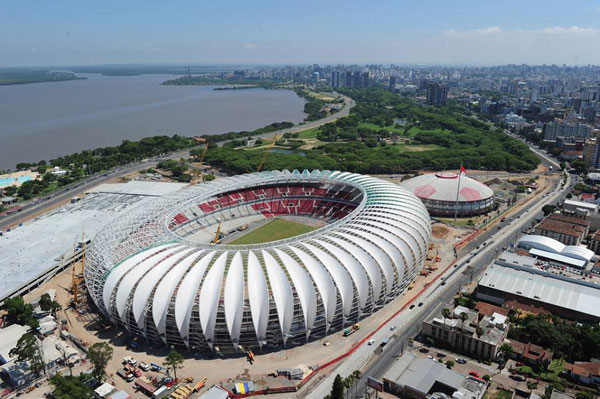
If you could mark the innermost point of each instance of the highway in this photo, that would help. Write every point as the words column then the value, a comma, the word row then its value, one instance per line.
column 474, row 258
column 65, row 193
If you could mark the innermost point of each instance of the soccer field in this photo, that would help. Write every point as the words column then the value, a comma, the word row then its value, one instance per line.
column 277, row 229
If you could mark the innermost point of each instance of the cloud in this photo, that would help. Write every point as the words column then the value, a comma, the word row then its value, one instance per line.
column 494, row 45
column 250, row 45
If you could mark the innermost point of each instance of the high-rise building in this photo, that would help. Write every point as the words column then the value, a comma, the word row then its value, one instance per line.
column 349, row 79
column 392, row 82
column 365, row 79
column 335, row 79
column 316, row 76
column 437, row 94
column 556, row 129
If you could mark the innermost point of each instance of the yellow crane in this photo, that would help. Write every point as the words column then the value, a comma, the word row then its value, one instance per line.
column 77, row 278
column 267, row 151
column 216, row 240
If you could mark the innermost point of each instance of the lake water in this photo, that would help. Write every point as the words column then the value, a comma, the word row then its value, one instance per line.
column 46, row 120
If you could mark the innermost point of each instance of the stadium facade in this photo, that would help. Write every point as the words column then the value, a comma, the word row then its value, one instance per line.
column 156, row 273
column 438, row 193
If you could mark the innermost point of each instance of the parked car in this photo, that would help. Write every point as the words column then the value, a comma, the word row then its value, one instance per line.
column 371, row 342
column 144, row 366
column 460, row 360
column 517, row 377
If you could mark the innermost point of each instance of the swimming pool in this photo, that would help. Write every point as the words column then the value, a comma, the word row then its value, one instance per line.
column 9, row 181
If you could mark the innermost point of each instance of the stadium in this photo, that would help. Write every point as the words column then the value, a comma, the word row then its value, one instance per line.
column 204, row 268
column 438, row 193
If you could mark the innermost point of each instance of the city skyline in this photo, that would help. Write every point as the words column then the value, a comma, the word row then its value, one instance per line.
column 432, row 32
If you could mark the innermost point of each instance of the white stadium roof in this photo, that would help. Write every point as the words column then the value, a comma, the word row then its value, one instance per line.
column 151, row 278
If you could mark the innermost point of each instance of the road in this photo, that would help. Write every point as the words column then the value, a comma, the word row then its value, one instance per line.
column 31, row 209
column 474, row 258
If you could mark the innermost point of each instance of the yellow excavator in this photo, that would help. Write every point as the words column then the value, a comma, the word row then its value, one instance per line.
column 217, row 234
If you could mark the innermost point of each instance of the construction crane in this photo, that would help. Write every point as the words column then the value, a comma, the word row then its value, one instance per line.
column 267, row 151
column 216, row 240
column 77, row 278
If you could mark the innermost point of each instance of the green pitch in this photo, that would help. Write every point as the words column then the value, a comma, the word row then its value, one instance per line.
column 277, row 229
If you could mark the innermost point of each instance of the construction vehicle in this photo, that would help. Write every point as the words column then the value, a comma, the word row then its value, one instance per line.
column 267, row 151
column 351, row 330
column 200, row 384
column 217, row 234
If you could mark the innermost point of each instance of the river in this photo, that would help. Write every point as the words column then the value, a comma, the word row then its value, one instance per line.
column 45, row 120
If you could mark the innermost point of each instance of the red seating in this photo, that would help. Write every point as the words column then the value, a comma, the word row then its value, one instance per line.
column 179, row 218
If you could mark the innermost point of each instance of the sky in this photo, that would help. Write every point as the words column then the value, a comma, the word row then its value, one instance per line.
column 460, row 32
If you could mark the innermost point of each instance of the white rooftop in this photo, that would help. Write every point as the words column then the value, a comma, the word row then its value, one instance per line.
column 137, row 187
column 31, row 250
column 9, row 337
column 543, row 287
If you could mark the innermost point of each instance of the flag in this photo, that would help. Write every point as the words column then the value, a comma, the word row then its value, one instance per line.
column 462, row 170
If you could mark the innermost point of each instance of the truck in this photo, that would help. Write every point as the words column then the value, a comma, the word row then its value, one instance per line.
column 351, row 330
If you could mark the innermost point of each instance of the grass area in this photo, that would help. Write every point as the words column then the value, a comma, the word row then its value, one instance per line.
column 458, row 222
column 322, row 96
column 553, row 374
column 373, row 126
column 497, row 394
column 277, row 229
column 308, row 134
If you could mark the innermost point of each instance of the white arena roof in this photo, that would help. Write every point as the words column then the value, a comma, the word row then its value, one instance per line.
column 552, row 246
column 443, row 187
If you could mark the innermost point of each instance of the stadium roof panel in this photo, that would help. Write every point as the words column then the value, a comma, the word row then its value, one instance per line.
column 153, row 264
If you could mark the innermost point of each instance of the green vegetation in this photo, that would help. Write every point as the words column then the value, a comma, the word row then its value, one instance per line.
column 99, row 355
column 497, row 394
column 24, row 76
column 569, row 340
column 28, row 350
column 177, row 169
column 174, row 361
column 20, row 312
column 277, row 229
column 69, row 387
column 202, row 80
column 443, row 139
column 552, row 373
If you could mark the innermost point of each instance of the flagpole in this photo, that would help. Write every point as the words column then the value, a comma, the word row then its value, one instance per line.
column 457, row 193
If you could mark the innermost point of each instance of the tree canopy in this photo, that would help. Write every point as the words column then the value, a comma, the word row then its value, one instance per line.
column 99, row 355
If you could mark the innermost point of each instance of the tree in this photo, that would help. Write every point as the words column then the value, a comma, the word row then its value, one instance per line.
column 446, row 314
column 28, row 350
column 69, row 387
column 449, row 364
column 507, row 349
column 47, row 304
column 99, row 355
column 548, row 209
column 337, row 390
column 463, row 316
column 174, row 361
column 479, row 331
column 20, row 312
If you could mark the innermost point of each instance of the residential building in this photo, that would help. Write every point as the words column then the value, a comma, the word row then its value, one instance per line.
column 564, row 232
column 478, row 335
column 335, row 79
column 9, row 336
column 584, row 372
column 437, row 94
column 556, row 129
column 530, row 354
column 595, row 242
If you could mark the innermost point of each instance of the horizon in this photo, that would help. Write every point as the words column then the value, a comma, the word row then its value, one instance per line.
column 430, row 33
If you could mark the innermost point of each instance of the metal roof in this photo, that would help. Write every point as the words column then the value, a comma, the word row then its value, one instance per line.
column 543, row 287
column 550, row 245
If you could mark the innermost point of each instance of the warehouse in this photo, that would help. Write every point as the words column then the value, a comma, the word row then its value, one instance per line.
column 563, row 296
